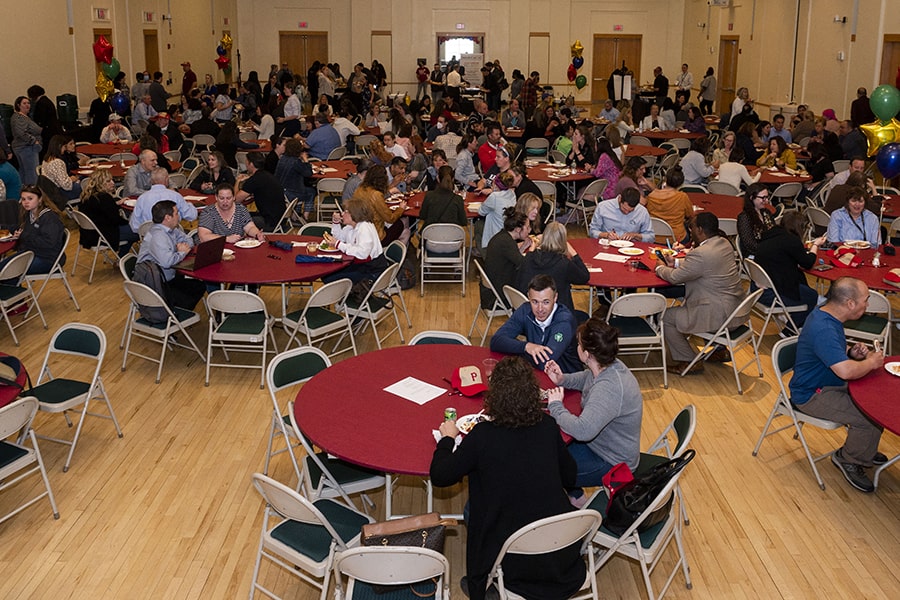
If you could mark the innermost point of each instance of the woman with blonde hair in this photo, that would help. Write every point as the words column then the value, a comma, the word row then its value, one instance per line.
column 557, row 258
column 529, row 205
column 98, row 202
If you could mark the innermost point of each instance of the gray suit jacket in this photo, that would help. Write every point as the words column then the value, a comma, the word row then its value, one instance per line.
column 712, row 285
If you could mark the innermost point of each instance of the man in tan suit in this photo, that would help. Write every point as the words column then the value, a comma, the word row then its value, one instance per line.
column 712, row 291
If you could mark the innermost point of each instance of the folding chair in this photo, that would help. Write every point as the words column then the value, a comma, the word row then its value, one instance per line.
column 163, row 333
column 13, row 296
column 439, row 337
column 16, row 419
column 122, row 157
column 328, row 196
column 317, row 228
column 640, row 140
column 288, row 369
column 514, row 297
column 102, row 245
column 307, row 536
column 87, row 342
column 638, row 317
column 238, row 321
column 840, row 165
column 241, row 159
column 734, row 333
column 784, row 356
column 549, row 535
column 377, row 307
column 324, row 317
column 498, row 308
column 337, row 154
column 722, row 187
column 537, row 147
column 188, row 165
column 872, row 326
column 203, row 141
column 695, row 188
column 284, row 223
column 645, row 548
column 662, row 229
column 585, row 204
column 893, row 230
column 327, row 477
column 443, row 255
column 556, row 157
column 177, row 181
column 819, row 219
column 787, row 193
column 548, row 192
column 776, row 308
column 729, row 227
column 683, row 426
column 395, row 253
column 424, row 572
column 56, row 272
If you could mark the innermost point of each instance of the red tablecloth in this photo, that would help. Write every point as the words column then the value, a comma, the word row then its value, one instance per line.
column 187, row 192
column 641, row 150
column 721, row 205
column 877, row 395
column 669, row 135
column 104, row 149
column 344, row 169
column 414, row 204
column 891, row 207
column 543, row 173
column 257, row 265
column 778, row 177
column 116, row 169
column 615, row 274
column 345, row 410
column 874, row 278
column 7, row 246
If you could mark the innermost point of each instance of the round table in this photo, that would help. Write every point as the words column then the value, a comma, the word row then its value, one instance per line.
column 198, row 199
column 333, row 169
column 669, row 135
column 770, row 177
column 871, row 276
column 414, row 204
column 345, row 410
column 104, row 149
column 117, row 170
column 891, row 206
column 7, row 246
column 268, row 264
column 873, row 397
column 721, row 205
column 553, row 174
column 642, row 150
column 618, row 275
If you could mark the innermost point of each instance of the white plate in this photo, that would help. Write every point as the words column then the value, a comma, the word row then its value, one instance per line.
column 105, row 166
column 131, row 202
column 227, row 252
column 473, row 206
column 892, row 367
column 631, row 251
column 621, row 243
column 858, row 244
column 248, row 243
column 467, row 422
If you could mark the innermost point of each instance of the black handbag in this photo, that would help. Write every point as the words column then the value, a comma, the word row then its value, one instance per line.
column 632, row 499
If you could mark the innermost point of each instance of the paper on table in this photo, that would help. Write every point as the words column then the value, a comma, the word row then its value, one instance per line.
column 416, row 390
column 619, row 258
column 195, row 197
column 328, row 170
column 595, row 270
column 779, row 174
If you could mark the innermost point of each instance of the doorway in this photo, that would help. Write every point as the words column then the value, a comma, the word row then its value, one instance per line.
column 890, row 60
column 539, row 55
column 301, row 50
column 151, row 51
column 727, row 79
column 610, row 53
column 381, row 51
column 107, row 33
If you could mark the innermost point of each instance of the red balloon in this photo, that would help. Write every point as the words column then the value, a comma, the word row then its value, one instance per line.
column 572, row 73
column 223, row 61
column 103, row 50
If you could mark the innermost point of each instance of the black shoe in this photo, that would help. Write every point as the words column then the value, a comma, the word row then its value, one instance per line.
column 853, row 473
column 719, row 355
column 879, row 459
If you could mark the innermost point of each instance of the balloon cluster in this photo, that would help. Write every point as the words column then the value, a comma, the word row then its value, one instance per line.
column 109, row 67
column 883, row 135
column 577, row 63
column 222, row 61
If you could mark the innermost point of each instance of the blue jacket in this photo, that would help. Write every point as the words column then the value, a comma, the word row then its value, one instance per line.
column 559, row 336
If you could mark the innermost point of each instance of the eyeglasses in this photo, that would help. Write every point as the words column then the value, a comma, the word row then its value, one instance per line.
column 765, row 197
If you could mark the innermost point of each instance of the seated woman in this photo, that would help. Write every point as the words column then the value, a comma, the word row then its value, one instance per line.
column 854, row 221
column 695, row 122
column 608, row 164
column 671, row 204
column 781, row 254
column 557, row 258
column 723, row 152
column 226, row 218
column 229, row 141
column 215, row 174
column 354, row 234
column 442, row 205
column 632, row 176
column 608, row 430
column 583, row 154
column 504, row 254
column 777, row 155
column 99, row 204
column 54, row 169
column 492, row 208
column 744, row 140
column 506, row 494
column 734, row 172
column 292, row 170
column 41, row 231
column 654, row 121
column 373, row 191
column 466, row 175
column 530, row 205
column 754, row 219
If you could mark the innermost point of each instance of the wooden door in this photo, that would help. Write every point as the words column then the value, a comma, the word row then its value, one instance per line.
column 609, row 52
column 727, row 72
column 301, row 49
column 890, row 60
column 382, row 51
column 151, row 51
column 539, row 55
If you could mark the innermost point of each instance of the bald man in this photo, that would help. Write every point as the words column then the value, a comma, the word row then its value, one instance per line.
column 143, row 209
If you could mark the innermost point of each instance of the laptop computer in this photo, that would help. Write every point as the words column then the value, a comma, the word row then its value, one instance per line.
column 207, row 253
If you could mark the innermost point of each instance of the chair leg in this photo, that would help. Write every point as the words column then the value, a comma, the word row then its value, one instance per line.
column 272, row 426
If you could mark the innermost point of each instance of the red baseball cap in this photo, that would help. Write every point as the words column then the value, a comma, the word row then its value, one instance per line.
column 468, row 380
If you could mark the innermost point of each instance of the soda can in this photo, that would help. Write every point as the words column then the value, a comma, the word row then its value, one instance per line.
column 449, row 414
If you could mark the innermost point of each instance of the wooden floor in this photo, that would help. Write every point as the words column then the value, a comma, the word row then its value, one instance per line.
column 168, row 511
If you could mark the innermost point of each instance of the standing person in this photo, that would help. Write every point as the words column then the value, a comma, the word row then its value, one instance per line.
column 437, row 83
column 43, row 111
column 707, row 93
column 529, row 93
column 608, row 429
column 189, row 80
column 292, row 171
column 26, row 142
column 822, row 369
column 685, row 80
column 158, row 94
column 860, row 109
column 422, row 78
column 41, row 231
column 223, row 103
column 517, row 468
column 660, row 85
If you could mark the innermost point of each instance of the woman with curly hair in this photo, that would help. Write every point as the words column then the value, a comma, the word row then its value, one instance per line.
column 101, row 206
column 518, row 468
column 608, row 430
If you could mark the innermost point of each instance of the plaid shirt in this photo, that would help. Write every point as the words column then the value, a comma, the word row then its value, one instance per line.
column 529, row 93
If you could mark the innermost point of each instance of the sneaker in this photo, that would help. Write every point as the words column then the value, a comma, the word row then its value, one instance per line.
column 853, row 473
column 879, row 459
column 578, row 502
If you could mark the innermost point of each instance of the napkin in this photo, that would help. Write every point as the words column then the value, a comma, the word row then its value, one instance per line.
column 892, row 277
column 437, row 437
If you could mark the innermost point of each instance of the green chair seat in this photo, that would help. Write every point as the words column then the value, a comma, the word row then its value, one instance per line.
column 316, row 317
column 871, row 324
column 10, row 453
column 647, row 538
column 57, row 391
column 243, row 324
column 632, row 327
column 342, row 471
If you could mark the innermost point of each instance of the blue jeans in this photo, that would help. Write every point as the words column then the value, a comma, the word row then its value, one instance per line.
column 28, row 162
column 590, row 467
column 808, row 296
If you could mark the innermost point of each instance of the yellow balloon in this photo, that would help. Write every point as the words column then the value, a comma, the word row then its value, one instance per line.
column 577, row 48
column 104, row 86
column 878, row 135
column 226, row 41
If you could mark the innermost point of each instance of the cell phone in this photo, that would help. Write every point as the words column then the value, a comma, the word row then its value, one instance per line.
column 823, row 267
column 659, row 255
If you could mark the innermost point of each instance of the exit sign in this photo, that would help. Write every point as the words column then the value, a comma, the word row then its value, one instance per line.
column 617, row 28
column 303, row 24
column 460, row 25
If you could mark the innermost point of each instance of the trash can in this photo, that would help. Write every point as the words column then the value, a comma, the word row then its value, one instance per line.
column 67, row 108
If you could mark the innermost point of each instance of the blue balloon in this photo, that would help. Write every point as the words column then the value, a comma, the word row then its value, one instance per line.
column 119, row 103
column 221, row 51
column 888, row 160
column 578, row 62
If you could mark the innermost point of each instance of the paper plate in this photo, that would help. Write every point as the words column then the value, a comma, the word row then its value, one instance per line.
column 631, row 251
column 248, row 243
column 131, row 202
column 621, row 243
column 892, row 367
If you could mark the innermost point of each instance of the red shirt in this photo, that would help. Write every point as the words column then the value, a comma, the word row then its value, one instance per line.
column 487, row 156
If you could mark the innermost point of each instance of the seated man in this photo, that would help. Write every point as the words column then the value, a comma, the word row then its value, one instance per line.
column 143, row 111
column 166, row 245
column 548, row 328
column 159, row 190
column 712, row 290
column 397, row 176
column 622, row 218
column 609, row 112
column 487, row 153
column 115, row 131
column 778, row 130
column 137, row 178
column 266, row 190
column 323, row 139
column 823, row 367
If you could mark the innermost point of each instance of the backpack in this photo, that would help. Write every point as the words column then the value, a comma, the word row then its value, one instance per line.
column 408, row 275
column 149, row 274
column 13, row 378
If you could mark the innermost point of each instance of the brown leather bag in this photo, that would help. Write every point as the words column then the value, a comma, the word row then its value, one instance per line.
column 422, row 531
